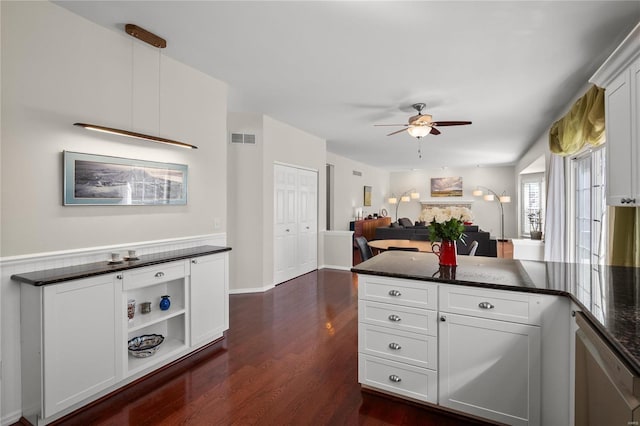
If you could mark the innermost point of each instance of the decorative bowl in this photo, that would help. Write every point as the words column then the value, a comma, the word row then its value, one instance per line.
column 146, row 345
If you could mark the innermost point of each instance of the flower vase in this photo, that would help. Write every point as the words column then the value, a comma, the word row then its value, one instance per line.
column 446, row 252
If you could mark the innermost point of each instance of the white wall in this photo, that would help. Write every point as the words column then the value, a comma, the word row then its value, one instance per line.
column 286, row 144
column 349, row 189
column 57, row 69
column 245, row 208
column 486, row 213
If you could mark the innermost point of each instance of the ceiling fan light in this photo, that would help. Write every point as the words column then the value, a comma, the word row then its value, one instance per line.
column 419, row 131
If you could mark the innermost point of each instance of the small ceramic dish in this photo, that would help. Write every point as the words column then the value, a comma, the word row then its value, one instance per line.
column 146, row 345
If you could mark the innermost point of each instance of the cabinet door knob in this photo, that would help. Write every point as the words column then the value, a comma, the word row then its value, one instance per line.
column 443, row 318
column 159, row 274
column 119, row 276
column 394, row 293
column 194, row 261
column 395, row 346
column 394, row 318
column 485, row 305
column 287, row 230
column 395, row 378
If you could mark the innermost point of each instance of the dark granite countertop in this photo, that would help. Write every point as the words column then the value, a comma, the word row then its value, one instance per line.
column 611, row 300
column 59, row 275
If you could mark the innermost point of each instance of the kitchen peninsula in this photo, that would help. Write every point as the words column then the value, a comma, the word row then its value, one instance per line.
column 499, row 338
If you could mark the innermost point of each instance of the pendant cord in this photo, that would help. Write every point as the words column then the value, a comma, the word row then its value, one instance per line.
column 132, row 78
column 159, row 86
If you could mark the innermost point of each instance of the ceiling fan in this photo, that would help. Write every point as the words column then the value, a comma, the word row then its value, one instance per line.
column 421, row 125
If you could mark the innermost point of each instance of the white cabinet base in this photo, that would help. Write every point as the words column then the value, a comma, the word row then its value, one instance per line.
column 490, row 369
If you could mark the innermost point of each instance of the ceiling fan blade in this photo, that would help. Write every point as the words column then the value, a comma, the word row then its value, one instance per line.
column 450, row 123
column 397, row 131
column 434, row 131
column 378, row 125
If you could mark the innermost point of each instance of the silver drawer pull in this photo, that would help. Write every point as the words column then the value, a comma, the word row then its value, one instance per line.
column 394, row 318
column 395, row 346
column 394, row 293
column 395, row 378
column 159, row 274
column 485, row 305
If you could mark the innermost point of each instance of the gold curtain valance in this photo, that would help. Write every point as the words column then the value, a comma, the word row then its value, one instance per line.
column 583, row 124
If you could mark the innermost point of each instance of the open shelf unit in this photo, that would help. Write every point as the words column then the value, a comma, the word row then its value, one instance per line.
column 150, row 285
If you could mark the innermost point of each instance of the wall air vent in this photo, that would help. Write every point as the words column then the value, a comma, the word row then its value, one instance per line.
column 357, row 173
column 243, row 138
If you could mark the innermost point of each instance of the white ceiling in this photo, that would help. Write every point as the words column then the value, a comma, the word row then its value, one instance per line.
column 333, row 69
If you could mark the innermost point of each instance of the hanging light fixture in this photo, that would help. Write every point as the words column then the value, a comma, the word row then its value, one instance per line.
column 418, row 131
column 160, row 43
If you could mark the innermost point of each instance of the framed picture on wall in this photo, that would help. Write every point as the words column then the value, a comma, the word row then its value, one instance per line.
column 367, row 196
column 102, row 180
column 446, row 187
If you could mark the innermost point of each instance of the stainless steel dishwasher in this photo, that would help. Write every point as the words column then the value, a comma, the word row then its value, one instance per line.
column 607, row 392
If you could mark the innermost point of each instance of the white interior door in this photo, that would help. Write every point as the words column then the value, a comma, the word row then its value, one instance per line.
column 285, row 226
column 307, row 221
column 295, row 222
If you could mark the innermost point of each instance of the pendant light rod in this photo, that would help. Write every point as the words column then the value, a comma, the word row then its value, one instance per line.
column 134, row 135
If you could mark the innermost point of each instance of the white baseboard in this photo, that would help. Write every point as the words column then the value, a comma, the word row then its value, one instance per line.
column 11, row 418
column 339, row 267
column 250, row 290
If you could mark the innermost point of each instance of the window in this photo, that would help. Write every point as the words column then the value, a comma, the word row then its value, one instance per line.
column 532, row 195
column 588, row 206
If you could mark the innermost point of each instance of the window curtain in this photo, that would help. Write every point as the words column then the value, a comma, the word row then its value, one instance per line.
column 555, row 249
column 583, row 124
column 624, row 236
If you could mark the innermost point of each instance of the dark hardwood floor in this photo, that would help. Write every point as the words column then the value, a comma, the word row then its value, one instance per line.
column 289, row 358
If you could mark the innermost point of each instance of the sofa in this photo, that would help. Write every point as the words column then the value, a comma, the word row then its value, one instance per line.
column 486, row 246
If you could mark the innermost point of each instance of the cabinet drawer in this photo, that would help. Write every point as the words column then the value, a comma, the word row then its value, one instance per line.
column 154, row 274
column 397, row 317
column 396, row 345
column 401, row 379
column 501, row 305
column 419, row 294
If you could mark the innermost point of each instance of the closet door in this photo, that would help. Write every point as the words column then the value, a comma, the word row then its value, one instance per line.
column 307, row 221
column 295, row 222
column 285, row 223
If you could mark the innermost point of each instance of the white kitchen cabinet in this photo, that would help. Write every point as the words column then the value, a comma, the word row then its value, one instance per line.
column 70, row 342
column 209, row 300
column 398, row 337
column 75, row 332
column 620, row 77
column 490, row 368
column 490, row 339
